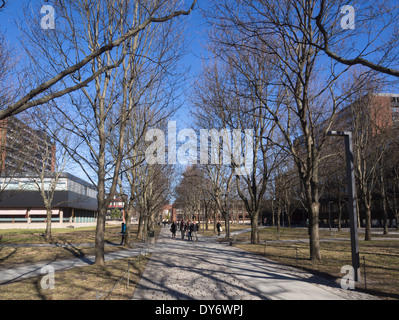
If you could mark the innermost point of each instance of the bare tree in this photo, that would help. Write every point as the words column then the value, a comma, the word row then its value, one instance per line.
column 305, row 98
column 51, row 162
column 369, row 148
column 152, row 191
column 193, row 193
column 101, row 111
column 75, row 72
column 391, row 170
column 346, row 43
column 8, row 61
column 235, row 107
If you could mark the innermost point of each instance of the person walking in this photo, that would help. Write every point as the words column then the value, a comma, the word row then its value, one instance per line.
column 173, row 230
column 123, row 232
column 182, row 227
column 219, row 228
column 196, row 228
column 191, row 231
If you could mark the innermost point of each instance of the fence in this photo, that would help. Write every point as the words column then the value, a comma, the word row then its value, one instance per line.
column 302, row 254
column 143, row 252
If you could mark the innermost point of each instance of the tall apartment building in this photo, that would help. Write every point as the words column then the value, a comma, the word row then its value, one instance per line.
column 23, row 149
column 24, row 152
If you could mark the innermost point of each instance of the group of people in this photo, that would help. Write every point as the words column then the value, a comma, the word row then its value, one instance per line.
column 187, row 229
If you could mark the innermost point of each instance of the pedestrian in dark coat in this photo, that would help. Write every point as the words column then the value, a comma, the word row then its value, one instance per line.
column 219, row 228
column 173, row 229
column 182, row 229
column 191, row 231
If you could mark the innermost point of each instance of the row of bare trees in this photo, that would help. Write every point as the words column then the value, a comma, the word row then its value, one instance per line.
column 105, row 74
column 279, row 68
column 272, row 71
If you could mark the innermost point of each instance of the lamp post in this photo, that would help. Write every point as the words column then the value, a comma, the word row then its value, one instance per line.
column 228, row 222
column 350, row 176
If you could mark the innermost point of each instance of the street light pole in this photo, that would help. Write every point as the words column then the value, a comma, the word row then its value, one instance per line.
column 350, row 176
column 228, row 218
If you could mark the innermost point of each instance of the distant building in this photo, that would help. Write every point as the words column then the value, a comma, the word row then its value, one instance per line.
column 20, row 201
column 166, row 212
column 376, row 112
column 23, row 149
column 117, row 203
column 382, row 112
column 237, row 212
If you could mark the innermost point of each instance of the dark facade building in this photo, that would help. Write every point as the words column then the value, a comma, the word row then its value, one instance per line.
column 20, row 201
column 25, row 155
column 23, row 149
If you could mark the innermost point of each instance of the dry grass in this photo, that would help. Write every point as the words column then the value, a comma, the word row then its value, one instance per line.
column 61, row 236
column 381, row 257
column 82, row 283
column 73, row 243
column 212, row 231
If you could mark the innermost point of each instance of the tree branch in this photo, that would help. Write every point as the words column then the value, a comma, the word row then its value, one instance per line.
column 26, row 102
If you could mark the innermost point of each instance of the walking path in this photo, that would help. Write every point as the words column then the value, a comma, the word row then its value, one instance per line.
column 207, row 270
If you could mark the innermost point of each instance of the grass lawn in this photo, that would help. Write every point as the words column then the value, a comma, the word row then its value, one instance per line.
column 74, row 238
column 380, row 256
column 211, row 232
column 80, row 283
column 289, row 246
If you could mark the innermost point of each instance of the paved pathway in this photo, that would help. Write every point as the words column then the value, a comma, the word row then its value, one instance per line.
column 208, row 270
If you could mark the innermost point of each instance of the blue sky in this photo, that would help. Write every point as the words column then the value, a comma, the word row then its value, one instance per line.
column 196, row 33
column 8, row 14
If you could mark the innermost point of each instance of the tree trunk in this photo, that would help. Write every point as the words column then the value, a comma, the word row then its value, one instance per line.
column 278, row 215
column 367, row 235
column 128, row 216
column 206, row 219
column 384, row 203
column 140, row 227
column 254, row 227
column 100, row 231
column 273, row 213
column 339, row 211
column 314, row 231
column 48, row 223
column 226, row 225
column 214, row 220
column 339, row 216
